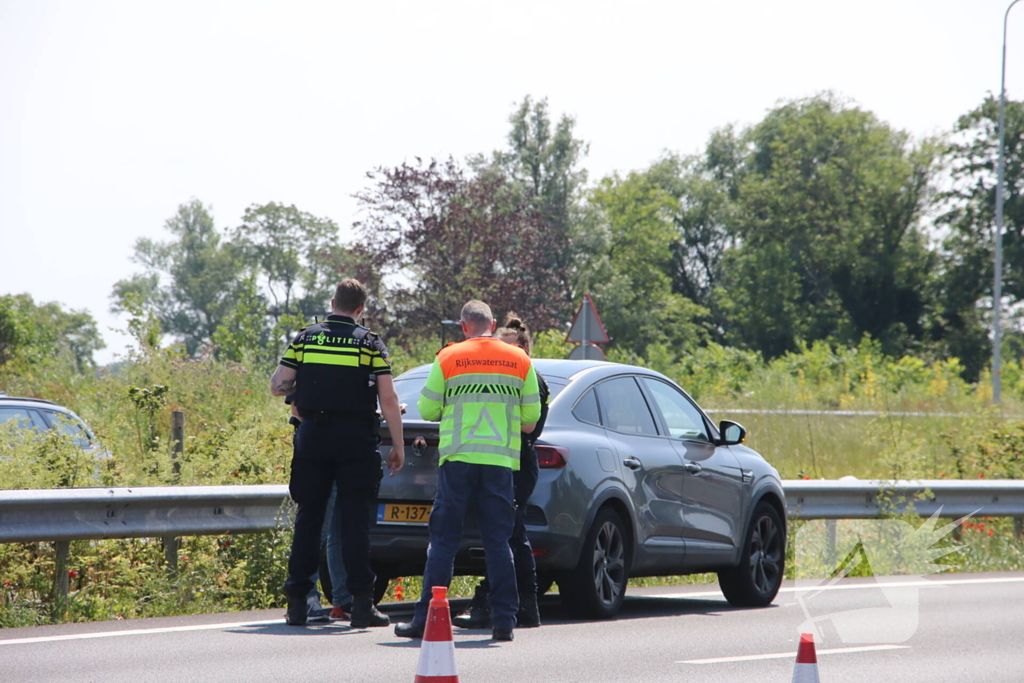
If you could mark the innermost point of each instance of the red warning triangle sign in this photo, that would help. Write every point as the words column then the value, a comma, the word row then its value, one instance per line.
column 587, row 325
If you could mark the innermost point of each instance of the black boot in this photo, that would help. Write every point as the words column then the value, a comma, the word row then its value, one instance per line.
column 297, row 612
column 528, row 615
column 478, row 614
column 364, row 613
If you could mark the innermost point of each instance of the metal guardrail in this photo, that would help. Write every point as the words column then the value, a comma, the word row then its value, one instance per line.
column 853, row 413
column 867, row 499
column 142, row 512
column 152, row 512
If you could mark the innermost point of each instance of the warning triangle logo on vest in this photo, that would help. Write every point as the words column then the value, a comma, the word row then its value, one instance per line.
column 485, row 432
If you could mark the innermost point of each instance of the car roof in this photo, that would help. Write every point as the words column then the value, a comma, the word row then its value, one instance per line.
column 16, row 400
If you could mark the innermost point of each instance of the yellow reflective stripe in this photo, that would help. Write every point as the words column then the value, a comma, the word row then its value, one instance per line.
column 379, row 362
column 331, row 359
column 337, row 349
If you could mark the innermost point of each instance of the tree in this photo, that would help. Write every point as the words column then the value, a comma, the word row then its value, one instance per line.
column 636, row 298
column 201, row 272
column 33, row 333
column 436, row 237
column 827, row 222
column 296, row 254
column 969, row 217
column 544, row 157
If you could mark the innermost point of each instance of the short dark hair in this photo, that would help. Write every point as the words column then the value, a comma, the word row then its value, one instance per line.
column 349, row 295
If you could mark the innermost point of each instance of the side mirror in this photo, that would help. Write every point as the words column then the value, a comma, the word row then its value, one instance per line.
column 731, row 433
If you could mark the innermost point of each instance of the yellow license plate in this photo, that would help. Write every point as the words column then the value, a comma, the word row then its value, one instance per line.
column 403, row 513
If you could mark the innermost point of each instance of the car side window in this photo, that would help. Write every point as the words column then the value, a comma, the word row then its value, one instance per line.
column 19, row 416
column 68, row 426
column 683, row 419
column 585, row 409
column 624, row 408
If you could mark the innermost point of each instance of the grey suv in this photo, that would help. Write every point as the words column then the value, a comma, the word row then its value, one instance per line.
column 635, row 480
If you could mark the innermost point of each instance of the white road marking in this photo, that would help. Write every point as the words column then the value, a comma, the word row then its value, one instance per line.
column 136, row 632
column 702, row 594
column 791, row 655
column 855, row 586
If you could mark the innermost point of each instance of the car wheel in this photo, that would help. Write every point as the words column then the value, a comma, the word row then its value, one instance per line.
column 755, row 581
column 597, row 586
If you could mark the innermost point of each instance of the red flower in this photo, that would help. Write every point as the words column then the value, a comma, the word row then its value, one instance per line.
column 8, row 583
column 990, row 533
column 942, row 474
column 806, row 477
column 981, row 476
column 72, row 574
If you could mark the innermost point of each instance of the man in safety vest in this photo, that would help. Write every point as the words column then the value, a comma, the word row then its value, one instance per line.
column 485, row 394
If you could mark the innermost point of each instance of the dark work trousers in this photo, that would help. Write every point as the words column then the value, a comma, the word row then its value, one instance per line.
column 489, row 488
column 524, row 480
column 342, row 452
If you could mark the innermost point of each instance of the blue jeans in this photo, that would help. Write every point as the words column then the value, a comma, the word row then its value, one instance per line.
column 489, row 488
column 331, row 535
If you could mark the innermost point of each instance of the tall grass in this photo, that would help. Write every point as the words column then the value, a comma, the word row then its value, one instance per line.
column 237, row 433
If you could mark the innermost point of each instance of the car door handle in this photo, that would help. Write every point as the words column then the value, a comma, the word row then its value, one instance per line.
column 632, row 463
column 693, row 468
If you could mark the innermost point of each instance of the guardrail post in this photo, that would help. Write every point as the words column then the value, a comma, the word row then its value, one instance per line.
column 177, row 441
column 830, row 543
column 171, row 546
column 60, row 575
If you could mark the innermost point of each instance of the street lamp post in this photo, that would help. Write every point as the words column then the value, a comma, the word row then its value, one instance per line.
column 997, row 290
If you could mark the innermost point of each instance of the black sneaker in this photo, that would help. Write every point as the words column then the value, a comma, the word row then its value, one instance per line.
column 413, row 629
column 501, row 634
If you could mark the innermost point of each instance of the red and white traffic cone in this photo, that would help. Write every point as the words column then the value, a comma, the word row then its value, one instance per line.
column 806, row 670
column 437, row 653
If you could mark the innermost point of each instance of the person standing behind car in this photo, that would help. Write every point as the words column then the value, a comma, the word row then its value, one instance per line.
column 337, row 370
column 478, row 615
column 485, row 394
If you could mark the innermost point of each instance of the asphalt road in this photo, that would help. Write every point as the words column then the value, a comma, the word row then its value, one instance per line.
column 970, row 628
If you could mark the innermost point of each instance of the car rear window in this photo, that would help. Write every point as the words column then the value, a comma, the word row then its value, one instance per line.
column 408, row 389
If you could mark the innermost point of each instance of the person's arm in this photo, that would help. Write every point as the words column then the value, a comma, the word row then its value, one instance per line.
column 530, row 406
column 283, row 381
column 431, row 401
column 392, row 411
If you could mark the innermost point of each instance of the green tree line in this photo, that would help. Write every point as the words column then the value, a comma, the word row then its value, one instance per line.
column 820, row 222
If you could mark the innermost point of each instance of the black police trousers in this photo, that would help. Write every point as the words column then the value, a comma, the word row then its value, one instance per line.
column 343, row 452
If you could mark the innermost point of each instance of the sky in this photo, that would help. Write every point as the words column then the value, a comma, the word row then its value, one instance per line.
column 114, row 113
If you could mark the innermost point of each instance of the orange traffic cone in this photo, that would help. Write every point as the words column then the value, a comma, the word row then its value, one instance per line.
column 437, row 653
column 806, row 670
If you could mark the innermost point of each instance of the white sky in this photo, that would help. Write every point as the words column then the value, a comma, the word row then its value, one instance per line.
column 114, row 113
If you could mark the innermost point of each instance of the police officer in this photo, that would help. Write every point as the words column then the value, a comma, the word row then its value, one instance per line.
column 337, row 371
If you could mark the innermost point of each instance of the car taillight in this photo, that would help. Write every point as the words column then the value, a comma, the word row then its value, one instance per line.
column 540, row 552
column 552, row 457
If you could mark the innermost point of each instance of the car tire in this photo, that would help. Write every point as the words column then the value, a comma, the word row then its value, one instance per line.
column 597, row 586
column 755, row 581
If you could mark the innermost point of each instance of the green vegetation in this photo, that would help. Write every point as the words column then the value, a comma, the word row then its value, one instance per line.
column 816, row 260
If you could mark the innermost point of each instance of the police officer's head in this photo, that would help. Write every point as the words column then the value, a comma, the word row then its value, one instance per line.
column 349, row 298
column 476, row 319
